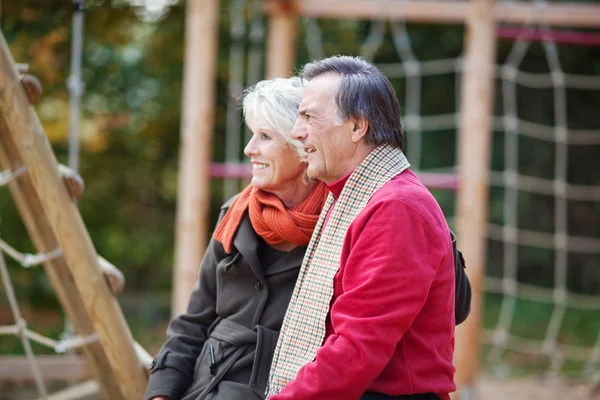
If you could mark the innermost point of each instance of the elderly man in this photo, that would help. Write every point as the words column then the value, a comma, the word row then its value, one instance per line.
column 372, row 314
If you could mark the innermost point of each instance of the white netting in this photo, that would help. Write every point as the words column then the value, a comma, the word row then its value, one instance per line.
column 507, row 329
column 553, row 348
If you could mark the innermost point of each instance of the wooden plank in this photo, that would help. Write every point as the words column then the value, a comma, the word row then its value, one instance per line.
column 82, row 391
column 193, row 201
column 281, row 39
column 452, row 12
column 79, row 282
column 52, row 368
column 474, row 149
column 582, row 15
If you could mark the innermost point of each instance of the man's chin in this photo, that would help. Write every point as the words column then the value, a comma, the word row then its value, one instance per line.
column 312, row 173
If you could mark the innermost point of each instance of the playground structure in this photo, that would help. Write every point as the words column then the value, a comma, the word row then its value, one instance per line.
column 55, row 224
column 77, row 275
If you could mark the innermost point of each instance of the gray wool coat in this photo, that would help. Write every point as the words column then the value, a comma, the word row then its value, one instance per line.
column 221, row 348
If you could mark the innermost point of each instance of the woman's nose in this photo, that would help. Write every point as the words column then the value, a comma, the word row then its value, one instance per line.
column 250, row 148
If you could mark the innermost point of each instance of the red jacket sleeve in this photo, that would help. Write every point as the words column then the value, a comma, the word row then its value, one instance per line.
column 392, row 253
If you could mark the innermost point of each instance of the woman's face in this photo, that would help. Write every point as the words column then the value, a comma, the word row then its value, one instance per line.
column 276, row 166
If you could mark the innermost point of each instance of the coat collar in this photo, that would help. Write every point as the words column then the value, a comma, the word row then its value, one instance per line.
column 246, row 242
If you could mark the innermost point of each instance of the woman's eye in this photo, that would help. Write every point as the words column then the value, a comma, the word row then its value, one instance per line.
column 266, row 136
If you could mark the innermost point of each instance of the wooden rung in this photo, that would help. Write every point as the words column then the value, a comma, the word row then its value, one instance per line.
column 114, row 277
column 73, row 181
column 144, row 357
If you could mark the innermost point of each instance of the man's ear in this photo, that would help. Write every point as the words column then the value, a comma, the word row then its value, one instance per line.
column 360, row 127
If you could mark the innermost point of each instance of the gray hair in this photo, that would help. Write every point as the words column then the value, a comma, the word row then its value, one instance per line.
column 277, row 102
column 363, row 91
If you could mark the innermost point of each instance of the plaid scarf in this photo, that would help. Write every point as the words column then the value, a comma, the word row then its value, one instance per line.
column 303, row 329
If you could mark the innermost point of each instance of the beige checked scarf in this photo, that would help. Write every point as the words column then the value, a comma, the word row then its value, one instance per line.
column 303, row 328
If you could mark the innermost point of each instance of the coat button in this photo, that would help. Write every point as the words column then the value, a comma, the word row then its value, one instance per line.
column 258, row 286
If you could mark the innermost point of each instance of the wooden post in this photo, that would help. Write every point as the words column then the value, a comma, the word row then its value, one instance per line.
column 281, row 40
column 473, row 170
column 53, row 221
column 199, row 77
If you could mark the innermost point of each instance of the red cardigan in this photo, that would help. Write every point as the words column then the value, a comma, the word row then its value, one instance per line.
column 391, row 324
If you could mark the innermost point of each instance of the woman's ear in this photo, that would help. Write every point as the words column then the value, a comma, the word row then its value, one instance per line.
column 360, row 127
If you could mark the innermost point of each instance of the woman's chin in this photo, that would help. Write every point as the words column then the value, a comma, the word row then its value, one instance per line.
column 259, row 182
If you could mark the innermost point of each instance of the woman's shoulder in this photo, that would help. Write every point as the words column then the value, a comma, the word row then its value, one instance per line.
column 225, row 208
column 229, row 202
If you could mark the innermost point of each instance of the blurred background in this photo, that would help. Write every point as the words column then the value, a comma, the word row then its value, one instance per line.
column 542, row 290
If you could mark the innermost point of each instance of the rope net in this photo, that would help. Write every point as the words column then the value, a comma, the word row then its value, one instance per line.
column 541, row 318
column 558, row 194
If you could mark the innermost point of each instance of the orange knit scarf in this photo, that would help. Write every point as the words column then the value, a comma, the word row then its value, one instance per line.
column 270, row 218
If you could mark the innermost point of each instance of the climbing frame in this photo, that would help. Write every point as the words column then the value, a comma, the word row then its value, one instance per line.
column 55, row 225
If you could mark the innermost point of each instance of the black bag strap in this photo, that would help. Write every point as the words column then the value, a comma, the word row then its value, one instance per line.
column 462, row 290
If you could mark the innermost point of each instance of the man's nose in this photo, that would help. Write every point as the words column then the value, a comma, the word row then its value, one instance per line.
column 299, row 130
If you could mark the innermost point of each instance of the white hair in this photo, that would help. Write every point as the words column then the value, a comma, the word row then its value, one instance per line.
column 276, row 101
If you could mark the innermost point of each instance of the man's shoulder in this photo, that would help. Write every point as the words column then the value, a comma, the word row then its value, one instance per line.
column 404, row 187
column 406, row 194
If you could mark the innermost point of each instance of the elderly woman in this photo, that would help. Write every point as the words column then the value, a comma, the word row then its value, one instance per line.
column 221, row 348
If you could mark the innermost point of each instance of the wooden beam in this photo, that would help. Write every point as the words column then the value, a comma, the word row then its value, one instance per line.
column 52, row 367
column 193, row 202
column 583, row 15
column 451, row 12
column 87, row 390
column 71, row 367
column 54, row 221
column 281, row 40
column 474, row 148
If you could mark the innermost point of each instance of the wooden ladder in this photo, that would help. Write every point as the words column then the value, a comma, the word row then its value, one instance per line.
column 53, row 221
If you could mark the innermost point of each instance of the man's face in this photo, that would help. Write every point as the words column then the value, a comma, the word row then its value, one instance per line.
column 328, row 144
